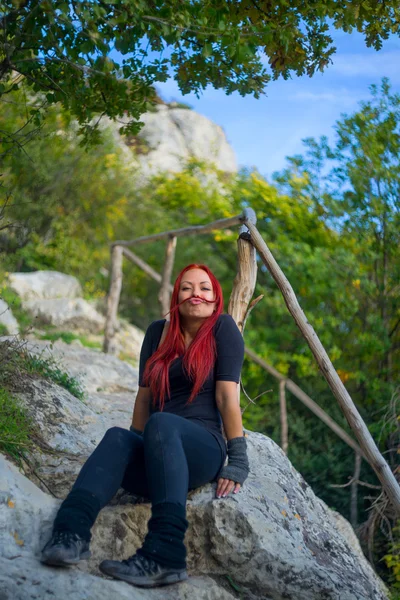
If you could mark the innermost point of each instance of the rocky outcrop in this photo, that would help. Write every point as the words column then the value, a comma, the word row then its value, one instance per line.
column 72, row 428
column 41, row 285
column 275, row 540
column 7, row 319
column 172, row 136
column 26, row 516
column 66, row 313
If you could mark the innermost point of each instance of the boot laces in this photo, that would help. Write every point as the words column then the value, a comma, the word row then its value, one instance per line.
column 144, row 565
column 66, row 537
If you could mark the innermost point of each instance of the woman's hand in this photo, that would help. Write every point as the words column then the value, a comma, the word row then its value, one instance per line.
column 225, row 486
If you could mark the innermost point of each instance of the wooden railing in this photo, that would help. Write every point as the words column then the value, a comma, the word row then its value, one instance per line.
column 249, row 241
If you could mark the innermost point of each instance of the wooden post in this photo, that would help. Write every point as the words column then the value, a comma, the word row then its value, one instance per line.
column 284, row 420
column 246, row 277
column 368, row 446
column 113, row 299
column 354, row 491
column 164, row 293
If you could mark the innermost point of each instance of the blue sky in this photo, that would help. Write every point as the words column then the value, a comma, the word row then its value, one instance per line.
column 263, row 132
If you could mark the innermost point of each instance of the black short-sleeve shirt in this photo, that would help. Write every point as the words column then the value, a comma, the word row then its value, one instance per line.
column 203, row 409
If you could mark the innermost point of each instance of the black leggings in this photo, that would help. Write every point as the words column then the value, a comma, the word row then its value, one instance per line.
column 173, row 456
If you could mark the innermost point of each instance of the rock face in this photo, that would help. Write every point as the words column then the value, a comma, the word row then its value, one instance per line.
column 67, row 313
column 7, row 319
column 26, row 517
column 72, row 428
column 276, row 540
column 173, row 135
column 44, row 284
column 170, row 137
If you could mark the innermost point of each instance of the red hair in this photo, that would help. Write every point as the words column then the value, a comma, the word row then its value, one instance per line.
column 198, row 359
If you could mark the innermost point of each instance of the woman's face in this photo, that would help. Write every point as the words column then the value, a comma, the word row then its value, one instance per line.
column 196, row 287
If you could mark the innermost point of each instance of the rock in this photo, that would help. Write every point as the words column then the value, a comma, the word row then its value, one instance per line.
column 97, row 371
column 67, row 313
column 44, row 284
column 26, row 517
column 175, row 135
column 70, row 428
column 7, row 319
column 172, row 136
column 275, row 539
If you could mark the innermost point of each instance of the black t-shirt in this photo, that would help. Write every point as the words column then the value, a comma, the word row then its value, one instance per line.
column 203, row 409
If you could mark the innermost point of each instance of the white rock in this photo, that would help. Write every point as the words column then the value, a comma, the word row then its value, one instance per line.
column 7, row 318
column 97, row 371
column 44, row 284
column 72, row 428
column 170, row 137
column 73, row 313
column 275, row 539
column 26, row 517
column 175, row 135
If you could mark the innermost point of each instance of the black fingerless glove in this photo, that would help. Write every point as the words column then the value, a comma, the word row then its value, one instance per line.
column 237, row 468
column 132, row 428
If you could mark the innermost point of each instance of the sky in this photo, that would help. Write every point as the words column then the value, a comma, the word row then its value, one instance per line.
column 263, row 132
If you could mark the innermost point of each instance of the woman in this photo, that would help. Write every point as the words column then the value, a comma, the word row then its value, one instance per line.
column 188, row 379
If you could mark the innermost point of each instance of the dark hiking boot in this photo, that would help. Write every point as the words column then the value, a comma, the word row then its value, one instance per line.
column 65, row 548
column 141, row 571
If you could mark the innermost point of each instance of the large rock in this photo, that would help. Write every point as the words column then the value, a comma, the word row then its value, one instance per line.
column 71, row 428
column 97, row 371
column 7, row 319
column 275, row 539
column 65, row 313
column 175, row 135
column 172, row 136
column 26, row 516
column 44, row 284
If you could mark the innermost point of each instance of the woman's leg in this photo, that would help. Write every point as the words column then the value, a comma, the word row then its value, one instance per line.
column 179, row 455
column 100, row 478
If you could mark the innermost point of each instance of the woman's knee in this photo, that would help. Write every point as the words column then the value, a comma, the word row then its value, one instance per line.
column 118, row 435
column 160, row 424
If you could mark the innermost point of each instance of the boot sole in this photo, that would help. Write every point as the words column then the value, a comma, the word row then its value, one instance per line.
column 58, row 562
column 146, row 583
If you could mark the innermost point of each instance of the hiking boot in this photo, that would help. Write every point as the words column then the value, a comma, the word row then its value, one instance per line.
column 141, row 571
column 65, row 548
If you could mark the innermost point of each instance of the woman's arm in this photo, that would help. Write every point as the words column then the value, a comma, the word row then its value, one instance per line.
column 226, row 396
column 142, row 408
column 238, row 467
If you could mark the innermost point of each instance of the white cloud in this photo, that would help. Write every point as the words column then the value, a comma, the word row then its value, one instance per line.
column 341, row 97
column 378, row 64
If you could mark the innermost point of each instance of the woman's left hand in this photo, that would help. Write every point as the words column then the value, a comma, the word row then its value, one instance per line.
column 225, row 486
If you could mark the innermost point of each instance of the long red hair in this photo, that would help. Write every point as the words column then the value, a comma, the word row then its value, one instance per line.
column 198, row 359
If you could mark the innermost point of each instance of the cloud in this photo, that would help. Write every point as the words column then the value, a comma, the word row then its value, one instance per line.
column 341, row 97
column 377, row 64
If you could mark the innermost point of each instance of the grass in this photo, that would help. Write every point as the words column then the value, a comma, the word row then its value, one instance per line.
column 17, row 430
column 15, row 427
column 3, row 329
column 14, row 302
column 19, row 364
column 68, row 337
column 50, row 370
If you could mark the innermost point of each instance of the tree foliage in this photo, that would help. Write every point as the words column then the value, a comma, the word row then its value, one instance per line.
column 97, row 57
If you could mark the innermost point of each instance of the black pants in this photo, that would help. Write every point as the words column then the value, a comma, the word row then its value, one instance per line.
column 173, row 456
